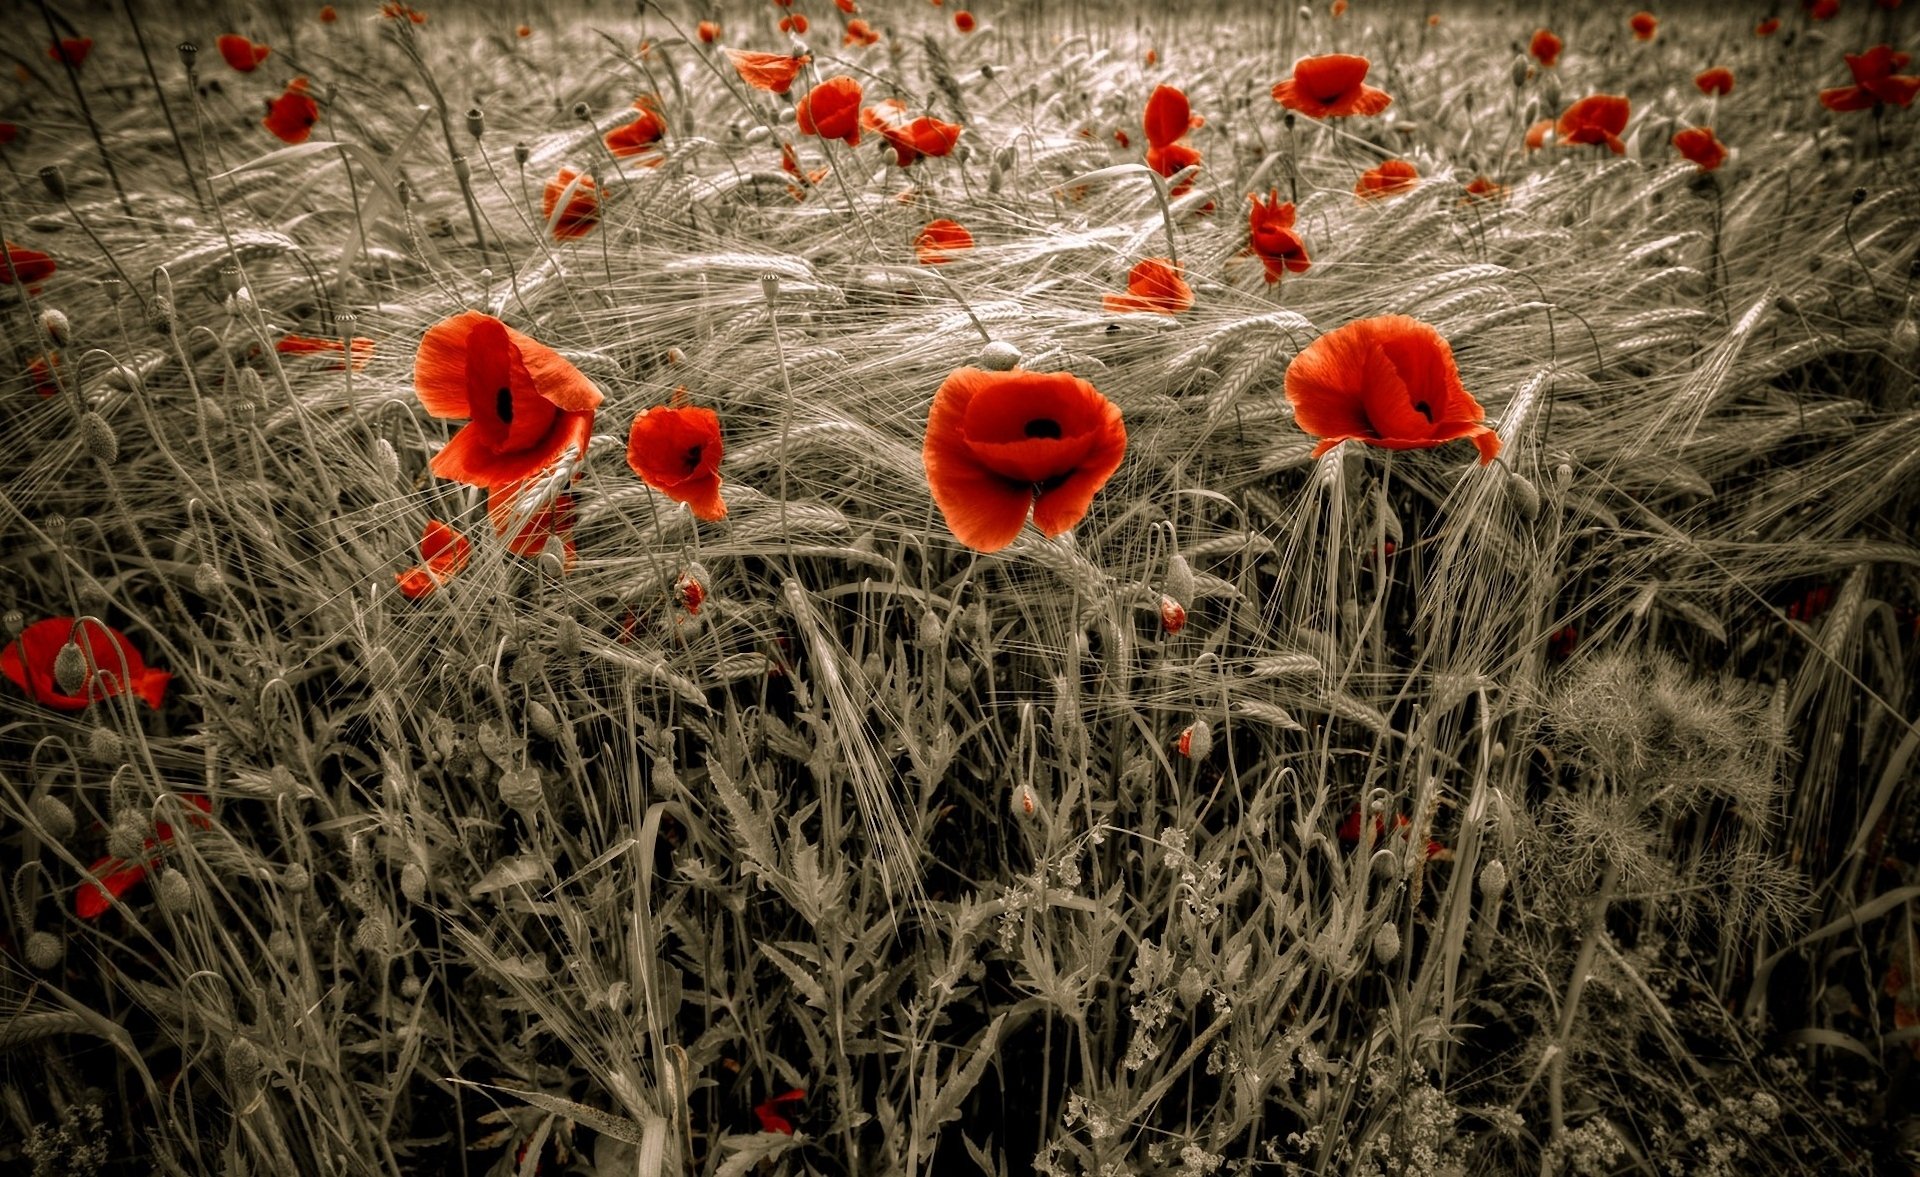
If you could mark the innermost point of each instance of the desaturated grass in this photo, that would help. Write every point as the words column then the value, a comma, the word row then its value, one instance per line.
column 548, row 873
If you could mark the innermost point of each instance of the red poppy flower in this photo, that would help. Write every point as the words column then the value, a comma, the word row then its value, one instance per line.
column 1388, row 381
column 1810, row 604
column 1875, row 82
column 291, row 117
column 707, row 31
column 1596, row 119
column 831, row 110
column 1170, row 160
column 1153, row 285
column 1484, row 189
column 443, row 553
column 530, row 523
column 772, row 72
column 41, row 370
column 241, row 53
column 1393, row 177
column 328, row 15
column 1002, row 443
column 1272, row 238
column 913, row 138
column 1537, row 134
column 1699, row 145
column 111, row 663
column 1718, row 80
column 1331, row 85
column 1337, row 9
column 963, row 21
column 1643, row 24
column 1767, row 27
column 396, row 11
column 939, row 241
column 859, row 32
column 528, row 406
column 117, row 876
column 1821, row 9
column 523, row 31
column 1562, row 642
column 676, row 450
column 795, row 24
column 27, row 266
column 71, row 50
column 846, row 6
column 636, row 137
column 1349, row 832
column 582, row 211
column 1168, row 117
column 768, row 1110
column 359, row 354
column 1545, row 47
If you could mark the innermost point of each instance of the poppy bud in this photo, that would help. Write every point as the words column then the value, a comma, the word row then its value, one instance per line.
column 1493, row 879
column 55, row 817
column 1306, row 15
column 1562, row 476
column 70, row 669
column 1026, row 803
column 243, row 1064
column 553, row 557
column 162, row 316
column 1386, row 942
column 57, row 326
column 1191, row 987
column 54, row 180
column 104, row 746
column 541, row 720
column 931, row 633
column 1180, row 585
column 476, row 121
column 207, row 580
column 127, row 836
column 1288, row 120
column 173, row 891
column 280, row 945
column 583, row 112
column 1197, row 740
column 691, row 589
column 385, row 460
column 1173, row 615
column 1524, row 496
column 1905, row 337
column 296, row 879
column 1859, row 196
column 1007, row 157
column 404, row 190
column 188, row 53
column 413, row 882
column 521, row 154
column 410, row 987
column 45, row 951
column 566, row 637
column 999, row 356
column 986, row 70
column 1497, row 752
column 1520, row 72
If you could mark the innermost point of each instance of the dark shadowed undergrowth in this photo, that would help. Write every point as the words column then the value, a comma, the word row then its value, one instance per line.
column 1551, row 815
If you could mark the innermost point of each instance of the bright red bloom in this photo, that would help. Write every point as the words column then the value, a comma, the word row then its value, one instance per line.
column 241, row 53
column 1718, row 80
column 1001, row 444
column 396, row 11
column 1338, row 8
column 1393, row 177
column 939, row 240
column 1596, row 119
column 772, row 72
column 1875, row 82
column 1272, row 237
column 582, row 211
column 1388, row 381
column 1643, row 24
column 328, row 15
column 27, row 266
column 523, row 31
column 1545, row 47
column 831, row 110
column 291, row 117
column 117, row 876
column 1767, row 27
column 913, row 138
column 1484, row 189
column 443, row 553
column 636, row 137
column 43, row 371
column 1537, row 134
column 795, row 24
column 846, row 6
column 1170, row 160
column 707, row 31
column 1349, row 832
column 963, row 20
column 676, row 450
column 306, row 345
column 1331, row 85
column 530, row 521
column 1821, row 9
column 859, row 32
column 529, row 407
column 1155, row 285
column 768, row 1111
column 71, row 50
column 1699, row 145
column 112, row 664
column 1168, row 117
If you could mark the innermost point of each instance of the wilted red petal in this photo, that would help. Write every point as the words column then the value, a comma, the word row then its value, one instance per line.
column 772, row 72
column 1154, row 284
column 28, row 266
column 1393, row 177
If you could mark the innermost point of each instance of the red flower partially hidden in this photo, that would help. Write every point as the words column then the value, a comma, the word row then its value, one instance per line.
column 71, row 51
column 1169, row 160
column 1821, row 9
column 1349, row 832
column 795, row 24
column 292, row 116
column 1643, row 24
column 859, row 32
column 939, row 241
column 772, row 72
column 582, row 210
column 1545, row 47
column 529, row 407
column 831, row 110
column 1331, row 85
column 1272, row 238
column 529, row 521
column 707, row 31
column 1483, row 188
column 1000, row 444
column 118, row 876
column 963, row 21
column 241, row 53
column 1596, row 119
column 443, row 553
column 1156, row 285
column 1874, row 82
column 913, row 138
column 1393, row 177
column 676, row 450
column 637, row 137
column 396, row 11
column 306, row 345
column 1536, row 137
column 767, row 1111
column 1168, row 117
column 29, row 267
column 328, row 15
column 109, row 661
column 1767, row 27
column 1388, row 381
column 1718, row 80
column 1699, row 145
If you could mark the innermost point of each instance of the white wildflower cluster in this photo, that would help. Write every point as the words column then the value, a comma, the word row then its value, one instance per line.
column 1152, row 968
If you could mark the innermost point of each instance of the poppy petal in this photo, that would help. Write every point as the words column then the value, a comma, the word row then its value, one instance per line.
column 116, row 877
column 440, row 366
column 1168, row 116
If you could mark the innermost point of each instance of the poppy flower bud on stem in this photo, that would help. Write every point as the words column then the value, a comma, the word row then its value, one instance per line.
column 55, row 817
column 1493, row 879
column 45, row 951
column 98, row 438
column 1000, row 356
column 57, row 326
column 1386, row 942
column 1197, row 740
column 1524, row 495
column 70, row 669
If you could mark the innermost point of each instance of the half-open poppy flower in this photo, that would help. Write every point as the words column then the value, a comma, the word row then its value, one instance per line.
column 443, row 553
column 707, row 31
column 241, row 53
column 1349, row 832
column 117, row 876
column 1598, row 118
column 1767, row 27
column 795, row 24
column 940, row 240
column 676, row 449
column 910, row 138
column 1272, row 238
column 1644, row 25
column 1545, row 47
column 1330, row 85
column 1716, row 81
column 29, row 267
column 529, row 524
column 636, row 137
column 831, row 110
column 1699, row 145
column 1001, row 444
column 1388, row 381
column 111, row 664
column 71, row 50
column 307, row 345
column 292, row 116
column 963, row 20
column 1393, row 177
column 1483, row 188
column 859, row 32
column 772, row 72
column 582, row 211
column 1874, row 82
column 528, row 406
column 767, row 1111
column 1155, row 285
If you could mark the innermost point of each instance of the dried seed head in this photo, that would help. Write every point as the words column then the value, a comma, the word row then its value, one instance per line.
column 54, row 816
column 11, row 623
column 57, row 326
column 1173, row 615
column 54, row 180
column 1197, row 740
column 770, row 286
column 173, row 890
column 162, row 320
column 45, row 951
column 999, row 356
column 296, row 879
column 553, row 558
column 1493, row 879
column 70, row 669
column 1524, row 496
column 1859, row 196
column 476, row 121
column 1386, row 942
column 1520, row 71
column 104, row 746
column 98, row 438
column 413, row 882
column 188, row 53
column 127, row 836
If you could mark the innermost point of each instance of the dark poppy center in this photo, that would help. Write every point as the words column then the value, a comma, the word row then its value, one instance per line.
column 1042, row 427
column 503, row 405
column 1422, row 408
column 691, row 460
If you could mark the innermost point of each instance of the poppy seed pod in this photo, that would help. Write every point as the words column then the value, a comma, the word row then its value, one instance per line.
column 11, row 623
column 45, row 951
column 189, row 53
column 931, row 633
column 54, row 180
column 54, row 816
column 770, row 286
column 174, row 891
column 986, row 70
column 70, row 669
column 1000, row 356
column 476, row 121
column 1859, row 196
column 521, row 154
column 583, row 112
column 1520, row 71
column 1493, row 879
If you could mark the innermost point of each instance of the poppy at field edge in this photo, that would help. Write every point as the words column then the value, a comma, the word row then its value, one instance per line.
column 241, row 53
column 1644, row 25
column 112, row 665
column 939, row 241
column 1393, row 177
column 528, row 527
column 637, row 137
column 676, row 450
column 1331, row 85
column 1271, row 236
column 117, row 876
column 772, row 72
column 1155, row 284
column 831, row 110
column 71, row 51
column 292, row 116
column 360, row 350
column 1545, row 47
column 1536, row 136
column 525, row 405
column 1388, row 381
column 582, row 211
column 1001, row 444
column 1701, row 146
column 443, row 553
column 1874, row 82
column 859, row 32
column 1483, row 188
column 1820, row 9
column 1717, row 81
column 27, row 266
column 1596, row 119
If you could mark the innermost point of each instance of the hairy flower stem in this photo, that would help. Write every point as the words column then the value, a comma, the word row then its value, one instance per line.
column 1569, row 1007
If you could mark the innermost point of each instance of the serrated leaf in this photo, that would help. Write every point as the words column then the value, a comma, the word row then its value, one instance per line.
column 801, row 979
column 579, row 1113
column 945, row 1104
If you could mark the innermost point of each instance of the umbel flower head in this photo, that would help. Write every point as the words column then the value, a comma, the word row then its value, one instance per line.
column 1388, row 381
